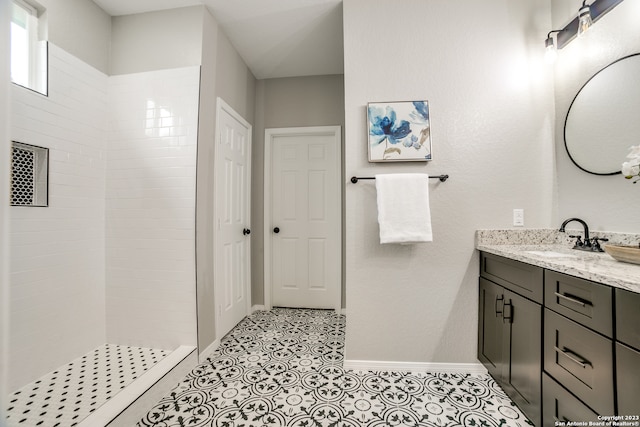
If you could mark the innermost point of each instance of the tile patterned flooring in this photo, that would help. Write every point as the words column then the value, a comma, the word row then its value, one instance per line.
column 284, row 368
column 64, row 397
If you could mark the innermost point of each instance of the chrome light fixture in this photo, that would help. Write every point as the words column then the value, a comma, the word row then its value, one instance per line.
column 584, row 19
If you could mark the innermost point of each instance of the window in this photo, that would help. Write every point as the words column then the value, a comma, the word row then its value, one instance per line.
column 28, row 55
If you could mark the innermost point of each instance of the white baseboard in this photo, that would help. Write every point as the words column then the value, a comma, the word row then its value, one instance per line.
column 208, row 351
column 257, row 308
column 373, row 365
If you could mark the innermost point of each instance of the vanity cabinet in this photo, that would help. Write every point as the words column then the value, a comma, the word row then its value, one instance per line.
column 563, row 348
column 510, row 329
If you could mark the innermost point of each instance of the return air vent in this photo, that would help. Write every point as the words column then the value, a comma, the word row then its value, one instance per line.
column 29, row 175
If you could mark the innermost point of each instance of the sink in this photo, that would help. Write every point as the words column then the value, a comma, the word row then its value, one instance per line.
column 551, row 254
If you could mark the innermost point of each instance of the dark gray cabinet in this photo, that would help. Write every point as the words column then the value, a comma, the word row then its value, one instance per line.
column 558, row 405
column 581, row 360
column 563, row 348
column 509, row 331
column 628, row 352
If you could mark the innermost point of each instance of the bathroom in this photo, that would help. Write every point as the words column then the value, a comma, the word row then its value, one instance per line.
column 497, row 111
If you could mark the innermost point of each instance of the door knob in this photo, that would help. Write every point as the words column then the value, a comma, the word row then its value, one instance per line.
column 246, row 231
column 276, row 230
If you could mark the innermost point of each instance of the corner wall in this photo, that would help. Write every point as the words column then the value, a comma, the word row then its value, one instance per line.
column 224, row 74
column 606, row 203
column 492, row 118
column 81, row 28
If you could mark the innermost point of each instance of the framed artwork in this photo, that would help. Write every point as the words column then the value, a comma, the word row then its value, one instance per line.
column 399, row 131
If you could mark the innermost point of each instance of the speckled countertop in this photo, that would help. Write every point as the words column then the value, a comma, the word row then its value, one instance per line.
column 522, row 245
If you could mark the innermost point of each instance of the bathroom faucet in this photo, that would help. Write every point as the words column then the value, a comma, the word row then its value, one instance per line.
column 586, row 245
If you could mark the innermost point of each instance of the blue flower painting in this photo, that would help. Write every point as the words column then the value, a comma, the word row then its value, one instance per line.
column 399, row 131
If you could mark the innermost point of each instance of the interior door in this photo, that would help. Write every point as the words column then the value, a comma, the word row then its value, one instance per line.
column 232, row 262
column 305, row 217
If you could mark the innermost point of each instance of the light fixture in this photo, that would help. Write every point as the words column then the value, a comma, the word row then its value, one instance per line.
column 584, row 19
column 587, row 16
column 551, row 53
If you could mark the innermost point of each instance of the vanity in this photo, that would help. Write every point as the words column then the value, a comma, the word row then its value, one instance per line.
column 559, row 329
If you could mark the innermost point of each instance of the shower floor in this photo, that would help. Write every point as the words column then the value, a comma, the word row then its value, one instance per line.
column 64, row 397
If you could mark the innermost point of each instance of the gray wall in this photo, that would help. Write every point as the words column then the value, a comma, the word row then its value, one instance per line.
column 224, row 75
column 156, row 40
column 286, row 102
column 481, row 67
column 607, row 203
column 81, row 28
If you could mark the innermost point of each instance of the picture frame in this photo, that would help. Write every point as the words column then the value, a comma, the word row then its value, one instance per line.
column 399, row 131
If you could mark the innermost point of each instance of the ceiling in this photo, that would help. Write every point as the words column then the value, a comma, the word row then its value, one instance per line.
column 276, row 38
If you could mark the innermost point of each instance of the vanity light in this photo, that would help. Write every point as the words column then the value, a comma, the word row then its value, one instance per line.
column 587, row 16
column 584, row 18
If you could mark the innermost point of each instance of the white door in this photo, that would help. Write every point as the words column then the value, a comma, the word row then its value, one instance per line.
column 303, row 217
column 232, row 184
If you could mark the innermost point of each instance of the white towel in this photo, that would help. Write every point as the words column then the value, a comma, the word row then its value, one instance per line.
column 403, row 208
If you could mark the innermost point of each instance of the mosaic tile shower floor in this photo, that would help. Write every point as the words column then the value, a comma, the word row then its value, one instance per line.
column 64, row 397
column 284, row 368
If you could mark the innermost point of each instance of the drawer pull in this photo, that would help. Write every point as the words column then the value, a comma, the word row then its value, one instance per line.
column 573, row 357
column 499, row 298
column 574, row 300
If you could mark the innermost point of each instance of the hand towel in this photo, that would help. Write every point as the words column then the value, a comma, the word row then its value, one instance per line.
column 404, row 215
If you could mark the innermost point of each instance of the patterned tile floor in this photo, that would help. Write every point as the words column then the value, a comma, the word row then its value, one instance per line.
column 64, row 397
column 284, row 368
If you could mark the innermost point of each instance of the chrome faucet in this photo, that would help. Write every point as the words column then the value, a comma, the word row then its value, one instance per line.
column 585, row 245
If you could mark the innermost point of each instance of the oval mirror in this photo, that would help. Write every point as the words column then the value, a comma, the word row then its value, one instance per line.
column 603, row 120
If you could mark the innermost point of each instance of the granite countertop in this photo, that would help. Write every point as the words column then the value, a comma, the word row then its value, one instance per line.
column 522, row 245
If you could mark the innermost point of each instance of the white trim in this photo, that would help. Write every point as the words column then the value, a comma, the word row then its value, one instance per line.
column 257, row 308
column 121, row 404
column 269, row 134
column 373, row 365
column 208, row 351
column 220, row 106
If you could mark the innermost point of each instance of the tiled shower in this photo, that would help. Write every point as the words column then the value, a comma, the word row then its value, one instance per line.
column 111, row 260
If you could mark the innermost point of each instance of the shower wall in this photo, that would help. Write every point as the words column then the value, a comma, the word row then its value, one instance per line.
column 112, row 258
column 57, row 298
column 151, row 197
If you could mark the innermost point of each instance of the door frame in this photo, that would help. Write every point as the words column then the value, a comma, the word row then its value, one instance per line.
column 269, row 135
column 221, row 106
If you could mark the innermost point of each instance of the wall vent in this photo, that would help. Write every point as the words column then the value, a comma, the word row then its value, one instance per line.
column 29, row 175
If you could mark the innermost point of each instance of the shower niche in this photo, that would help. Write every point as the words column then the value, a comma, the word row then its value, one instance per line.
column 29, row 175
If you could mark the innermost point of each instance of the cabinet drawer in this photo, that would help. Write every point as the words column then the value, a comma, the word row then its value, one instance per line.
column 588, row 303
column 522, row 278
column 581, row 360
column 628, row 372
column 628, row 318
column 560, row 405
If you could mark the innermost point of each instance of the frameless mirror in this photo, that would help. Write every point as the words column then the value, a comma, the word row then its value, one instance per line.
column 603, row 119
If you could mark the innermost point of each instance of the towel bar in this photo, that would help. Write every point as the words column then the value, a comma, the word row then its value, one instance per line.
column 442, row 178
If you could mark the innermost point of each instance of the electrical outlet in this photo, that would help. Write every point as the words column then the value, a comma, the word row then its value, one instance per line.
column 518, row 217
